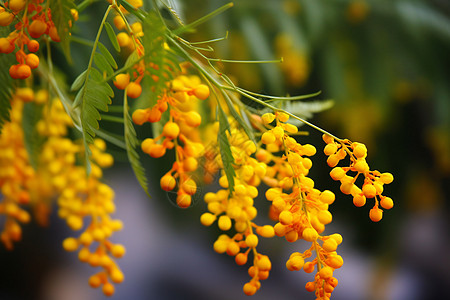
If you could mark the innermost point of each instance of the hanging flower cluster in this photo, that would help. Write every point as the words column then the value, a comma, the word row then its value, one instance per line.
column 373, row 180
column 178, row 133
column 197, row 116
column 84, row 202
column 34, row 20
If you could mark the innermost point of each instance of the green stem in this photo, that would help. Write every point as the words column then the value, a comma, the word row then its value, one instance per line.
column 246, row 61
column 241, row 91
column 123, row 69
column 94, row 48
column 127, row 25
column 81, row 41
column 288, row 113
column 274, row 98
column 115, row 108
column 210, row 41
column 113, row 140
column 74, row 114
column 111, row 118
column 203, row 19
column 131, row 9
column 83, row 5
column 49, row 57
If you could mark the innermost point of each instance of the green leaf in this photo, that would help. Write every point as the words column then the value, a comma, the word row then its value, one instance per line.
column 132, row 142
column 107, row 55
column 102, row 64
column 6, row 88
column 112, row 36
column 61, row 16
column 203, row 19
column 166, row 64
column 305, row 110
column 165, row 61
column 95, row 95
column 243, row 123
column 78, row 82
column 32, row 113
column 132, row 59
column 225, row 148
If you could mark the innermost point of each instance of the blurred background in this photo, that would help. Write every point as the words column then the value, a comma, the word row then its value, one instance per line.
column 385, row 64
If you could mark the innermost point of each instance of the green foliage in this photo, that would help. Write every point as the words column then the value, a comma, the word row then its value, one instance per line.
column 225, row 148
column 112, row 36
column 103, row 64
column 61, row 17
column 5, row 89
column 165, row 61
column 32, row 113
column 302, row 109
column 132, row 142
column 94, row 91
column 243, row 122
column 6, row 83
column 94, row 95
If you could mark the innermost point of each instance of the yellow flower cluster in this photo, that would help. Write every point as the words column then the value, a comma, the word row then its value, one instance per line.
column 87, row 198
column 15, row 175
column 57, row 175
column 42, row 165
column 179, row 105
column 130, row 39
column 300, row 209
column 238, row 206
column 34, row 19
column 373, row 180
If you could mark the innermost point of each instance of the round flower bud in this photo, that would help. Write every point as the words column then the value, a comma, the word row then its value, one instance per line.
column 376, row 214
column 168, row 182
column 387, row 203
column 121, row 81
column 123, row 39
column 32, row 60
column 309, row 234
column 37, row 28
column 171, row 130
column 207, row 219
column 326, row 272
column 201, row 92
column 386, row 178
column 330, row 245
column 70, row 244
column 268, row 138
column 193, row 119
column 330, row 149
column 369, row 190
column 325, row 217
column 184, row 200
column 295, row 263
column 33, row 46
column 224, row 223
column 140, row 116
column 327, row 197
column 157, row 151
column 16, row 5
column 134, row 90
column 268, row 118
column 285, row 217
column 360, row 151
column 359, row 200
column 251, row 240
